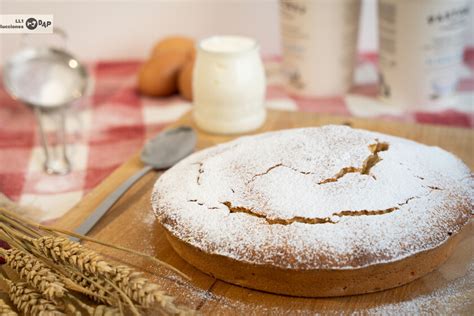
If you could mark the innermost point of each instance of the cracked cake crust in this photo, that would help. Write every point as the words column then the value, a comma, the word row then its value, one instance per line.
column 316, row 198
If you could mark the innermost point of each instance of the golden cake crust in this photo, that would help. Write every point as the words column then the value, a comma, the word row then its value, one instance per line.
column 318, row 282
column 315, row 201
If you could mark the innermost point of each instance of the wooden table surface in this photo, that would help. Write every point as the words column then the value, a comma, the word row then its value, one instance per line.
column 130, row 223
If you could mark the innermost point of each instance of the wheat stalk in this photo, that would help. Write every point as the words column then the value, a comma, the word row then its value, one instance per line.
column 35, row 272
column 140, row 289
column 48, row 260
column 96, row 241
column 72, row 310
column 63, row 251
column 98, row 310
column 23, row 224
column 100, row 289
column 95, row 288
column 29, row 301
column 6, row 309
column 102, row 310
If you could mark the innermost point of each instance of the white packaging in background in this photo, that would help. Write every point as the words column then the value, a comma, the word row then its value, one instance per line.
column 319, row 44
column 421, row 48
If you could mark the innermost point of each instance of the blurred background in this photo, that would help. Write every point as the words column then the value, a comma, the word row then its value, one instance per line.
column 129, row 29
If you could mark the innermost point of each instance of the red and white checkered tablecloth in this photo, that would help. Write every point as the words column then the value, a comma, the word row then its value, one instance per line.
column 112, row 124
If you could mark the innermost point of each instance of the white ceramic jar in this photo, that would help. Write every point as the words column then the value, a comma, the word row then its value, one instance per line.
column 229, row 85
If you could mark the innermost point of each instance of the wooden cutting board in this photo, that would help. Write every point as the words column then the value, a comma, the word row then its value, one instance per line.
column 130, row 223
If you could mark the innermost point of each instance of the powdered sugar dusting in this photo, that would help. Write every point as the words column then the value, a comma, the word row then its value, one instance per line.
column 326, row 197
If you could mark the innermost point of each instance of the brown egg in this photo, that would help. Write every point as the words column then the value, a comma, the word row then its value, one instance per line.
column 175, row 43
column 185, row 80
column 159, row 76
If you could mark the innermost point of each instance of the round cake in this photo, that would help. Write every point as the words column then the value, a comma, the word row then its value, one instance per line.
column 313, row 212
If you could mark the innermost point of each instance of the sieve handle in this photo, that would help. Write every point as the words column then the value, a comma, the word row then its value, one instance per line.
column 54, row 148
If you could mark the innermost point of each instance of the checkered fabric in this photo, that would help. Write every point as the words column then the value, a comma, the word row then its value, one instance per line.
column 113, row 123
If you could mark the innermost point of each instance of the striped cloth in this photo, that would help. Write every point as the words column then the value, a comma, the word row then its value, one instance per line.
column 113, row 123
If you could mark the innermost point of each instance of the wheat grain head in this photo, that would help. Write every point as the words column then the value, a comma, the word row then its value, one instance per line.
column 6, row 309
column 35, row 272
column 63, row 251
column 31, row 302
